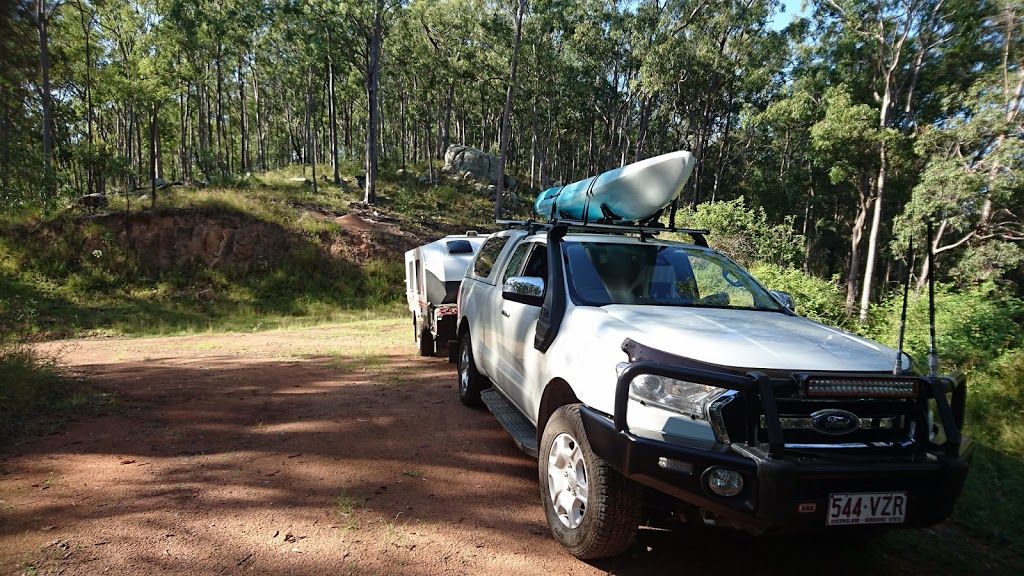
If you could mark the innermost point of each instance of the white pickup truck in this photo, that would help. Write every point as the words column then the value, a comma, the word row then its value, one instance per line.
column 657, row 381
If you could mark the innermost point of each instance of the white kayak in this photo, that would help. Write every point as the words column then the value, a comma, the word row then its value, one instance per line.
column 632, row 193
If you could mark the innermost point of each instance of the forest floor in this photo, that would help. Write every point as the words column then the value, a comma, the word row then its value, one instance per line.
column 330, row 450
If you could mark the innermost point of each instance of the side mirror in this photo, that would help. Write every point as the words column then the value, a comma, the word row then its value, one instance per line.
column 784, row 298
column 524, row 289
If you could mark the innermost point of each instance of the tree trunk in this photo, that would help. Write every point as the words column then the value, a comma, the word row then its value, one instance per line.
column 42, row 24
column 89, row 110
column 312, row 127
column 261, row 144
column 183, row 132
column 372, row 87
column 856, row 234
column 506, row 115
column 221, row 137
column 154, row 134
column 446, row 127
column 243, row 118
column 333, row 117
column 876, row 224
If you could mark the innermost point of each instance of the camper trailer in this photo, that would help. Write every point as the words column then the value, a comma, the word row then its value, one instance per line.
column 433, row 273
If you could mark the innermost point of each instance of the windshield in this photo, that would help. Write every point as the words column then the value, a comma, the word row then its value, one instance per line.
column 603, row 273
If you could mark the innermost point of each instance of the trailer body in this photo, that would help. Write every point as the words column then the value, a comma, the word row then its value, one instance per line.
column 433, row 273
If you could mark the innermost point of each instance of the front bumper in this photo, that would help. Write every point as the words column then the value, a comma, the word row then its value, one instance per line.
column 788, row 487
column 789, row 493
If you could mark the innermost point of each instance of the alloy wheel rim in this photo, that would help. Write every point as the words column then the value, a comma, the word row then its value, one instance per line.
column 464, row 369
column 568, row 485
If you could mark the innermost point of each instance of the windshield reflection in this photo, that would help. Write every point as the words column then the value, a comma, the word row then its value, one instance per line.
column 602, row 273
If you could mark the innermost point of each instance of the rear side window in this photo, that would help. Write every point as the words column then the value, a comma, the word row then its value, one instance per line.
column 484, row 263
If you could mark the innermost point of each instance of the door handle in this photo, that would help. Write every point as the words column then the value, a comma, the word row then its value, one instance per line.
column 505, row 314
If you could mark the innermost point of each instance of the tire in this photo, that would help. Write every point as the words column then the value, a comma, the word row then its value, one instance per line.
column 471, row 382
column 592, row 510
column 426, row 340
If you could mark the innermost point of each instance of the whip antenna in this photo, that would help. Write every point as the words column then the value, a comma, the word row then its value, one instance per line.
column 903, row 315
column 933, row 354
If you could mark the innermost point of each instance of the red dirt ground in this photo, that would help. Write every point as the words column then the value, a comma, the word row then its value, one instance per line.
column 276, row 453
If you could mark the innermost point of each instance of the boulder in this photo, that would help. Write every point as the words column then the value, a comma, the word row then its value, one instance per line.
column 93, row 201
column 460, row 159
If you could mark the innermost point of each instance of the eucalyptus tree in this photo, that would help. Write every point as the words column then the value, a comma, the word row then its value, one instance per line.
column 971, row 186
column 704, row 62
column 44, row 13
column 20, row 156
column 366, row 26
column 897, row 41
column 507, row 113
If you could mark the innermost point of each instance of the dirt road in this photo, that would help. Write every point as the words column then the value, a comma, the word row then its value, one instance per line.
column 320, row 451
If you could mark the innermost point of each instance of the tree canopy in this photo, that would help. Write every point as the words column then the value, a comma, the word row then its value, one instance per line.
column 853, row 127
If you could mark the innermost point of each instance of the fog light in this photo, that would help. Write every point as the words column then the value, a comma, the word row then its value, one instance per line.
column 725, row 482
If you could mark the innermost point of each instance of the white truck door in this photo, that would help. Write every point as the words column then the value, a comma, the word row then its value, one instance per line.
column 519, row 324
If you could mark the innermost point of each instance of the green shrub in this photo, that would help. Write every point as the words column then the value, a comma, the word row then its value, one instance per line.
column 995, row 403
column 745, row 233
column 816, row 298
column 973, row 327
column 29, row 383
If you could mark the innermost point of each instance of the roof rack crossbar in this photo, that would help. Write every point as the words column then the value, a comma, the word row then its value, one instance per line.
column 533, row 226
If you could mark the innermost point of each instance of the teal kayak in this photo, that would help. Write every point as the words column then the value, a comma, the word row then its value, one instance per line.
column 632, row 193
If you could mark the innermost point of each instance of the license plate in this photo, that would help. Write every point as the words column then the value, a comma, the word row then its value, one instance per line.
column 867, row 508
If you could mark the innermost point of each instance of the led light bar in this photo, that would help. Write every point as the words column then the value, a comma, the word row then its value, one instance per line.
column 861, row 388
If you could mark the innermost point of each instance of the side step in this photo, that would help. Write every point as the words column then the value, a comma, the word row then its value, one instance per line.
column 523, row 433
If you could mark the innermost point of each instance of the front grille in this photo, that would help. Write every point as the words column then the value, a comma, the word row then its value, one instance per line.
column 842, row 421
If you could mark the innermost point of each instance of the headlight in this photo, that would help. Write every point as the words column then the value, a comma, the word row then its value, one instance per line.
column 686, row 397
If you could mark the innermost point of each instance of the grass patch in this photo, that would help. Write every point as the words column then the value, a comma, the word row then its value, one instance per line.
column 32, row 384
column 29, row 384
column 347, row 506
column 992, row 506
column 74, row 273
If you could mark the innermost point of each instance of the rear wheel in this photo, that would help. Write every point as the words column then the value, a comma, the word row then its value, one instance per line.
column 426, row 340
column 471, row 382
column 592, row 510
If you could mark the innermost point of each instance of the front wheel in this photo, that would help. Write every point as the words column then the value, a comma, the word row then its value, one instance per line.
column 471, row 382
column 592, row 510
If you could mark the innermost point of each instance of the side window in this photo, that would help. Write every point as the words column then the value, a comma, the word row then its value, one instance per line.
column 537, row 265
column 514, row 262
column 484, row 263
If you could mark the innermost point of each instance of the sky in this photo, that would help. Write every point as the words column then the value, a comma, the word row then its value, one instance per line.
column 783, row 19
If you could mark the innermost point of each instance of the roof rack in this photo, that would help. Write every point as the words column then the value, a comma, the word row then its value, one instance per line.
column 643, row 231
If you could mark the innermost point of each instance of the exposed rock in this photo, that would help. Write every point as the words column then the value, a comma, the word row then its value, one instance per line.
column 93, row 201
column 460, row 159
column 510, row 182
column 429, row 176
column 189, row 238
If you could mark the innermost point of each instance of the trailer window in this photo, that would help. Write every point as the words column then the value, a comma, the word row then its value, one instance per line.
column 459, row 247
